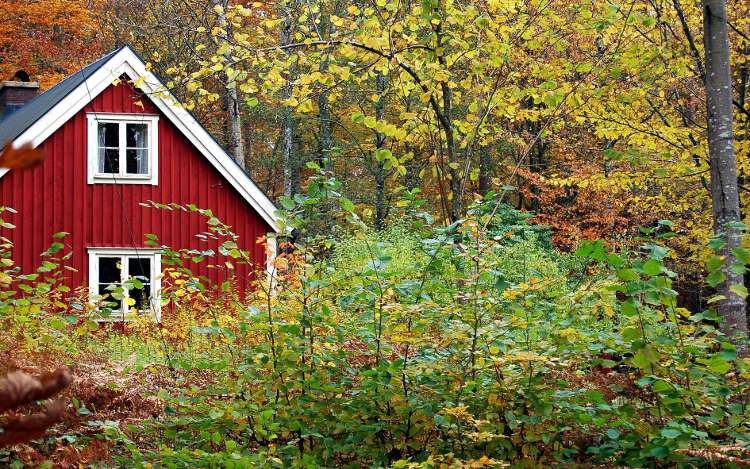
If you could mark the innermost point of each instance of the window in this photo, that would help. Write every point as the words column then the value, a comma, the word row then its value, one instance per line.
column 127, row 281
column 123, row 148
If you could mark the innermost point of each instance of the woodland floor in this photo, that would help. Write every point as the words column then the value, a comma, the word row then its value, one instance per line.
column 106, row 391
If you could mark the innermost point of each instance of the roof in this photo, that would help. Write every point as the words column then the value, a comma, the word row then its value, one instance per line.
column 46, row 113
column 15, row 124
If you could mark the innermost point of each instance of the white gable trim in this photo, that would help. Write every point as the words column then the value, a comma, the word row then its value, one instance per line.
column 125, row 61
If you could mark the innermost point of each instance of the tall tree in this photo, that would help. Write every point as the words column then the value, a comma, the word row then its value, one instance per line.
column 231, row 96
column 380, row 172
column 724, row 189
column 289, row 156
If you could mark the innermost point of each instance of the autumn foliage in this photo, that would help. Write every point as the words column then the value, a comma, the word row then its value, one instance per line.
column 49, row 39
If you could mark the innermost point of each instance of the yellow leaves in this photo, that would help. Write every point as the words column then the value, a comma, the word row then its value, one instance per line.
column 305, row 106
column 342, row 72
column 240, row 37
column 291, row 102
column 441, row 76
column 460, row 412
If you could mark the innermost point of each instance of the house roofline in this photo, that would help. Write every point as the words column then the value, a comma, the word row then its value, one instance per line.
column 90, row 81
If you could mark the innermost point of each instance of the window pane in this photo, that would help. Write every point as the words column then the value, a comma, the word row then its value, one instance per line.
column 109, row 161
column 141, row 267
column 109, row 134
column 141, row 297
column 137, row 161
column 109, row 270
column 109, row 278
column 137, row 135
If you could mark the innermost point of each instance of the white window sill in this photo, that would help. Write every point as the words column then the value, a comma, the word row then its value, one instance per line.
column 123, row 179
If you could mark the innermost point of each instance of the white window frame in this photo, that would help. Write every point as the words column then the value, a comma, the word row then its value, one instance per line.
column 152, row 122
column 124, row 254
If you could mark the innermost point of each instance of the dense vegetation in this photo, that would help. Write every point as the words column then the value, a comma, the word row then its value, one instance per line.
column 497, row 241
column 420, row 345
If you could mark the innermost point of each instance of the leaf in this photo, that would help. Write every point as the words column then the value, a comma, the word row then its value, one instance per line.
column 18, row 388
column 346, row 204
column 627, row 275
column 646, row 357
column 286, row 202
column 714, row 262
column 21, row 158
column 718, row 364
column 715, row 278
column 739, row 290
column 629, row 309
column 652, row 267
column 382, row 154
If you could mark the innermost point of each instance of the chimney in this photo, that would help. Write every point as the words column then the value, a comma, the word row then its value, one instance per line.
column 15, row 93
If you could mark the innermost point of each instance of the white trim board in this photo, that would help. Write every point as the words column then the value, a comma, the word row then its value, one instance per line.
column 126, row 62
column 152, row 121
column 156, row 274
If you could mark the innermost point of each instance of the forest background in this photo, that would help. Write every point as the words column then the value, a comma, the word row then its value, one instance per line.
column 590, row 115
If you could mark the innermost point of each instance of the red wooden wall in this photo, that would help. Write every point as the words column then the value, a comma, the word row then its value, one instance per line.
column 55, row 196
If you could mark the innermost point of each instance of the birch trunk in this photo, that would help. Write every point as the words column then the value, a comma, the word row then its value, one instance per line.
column 231, row 97
column 724, row 189
column 290, row 159
column 326, row 134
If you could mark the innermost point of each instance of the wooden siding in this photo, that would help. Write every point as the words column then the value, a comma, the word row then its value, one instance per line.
column 55, row 196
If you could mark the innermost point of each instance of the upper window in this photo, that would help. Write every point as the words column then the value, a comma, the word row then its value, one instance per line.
column 126, row 281
column 123, row 148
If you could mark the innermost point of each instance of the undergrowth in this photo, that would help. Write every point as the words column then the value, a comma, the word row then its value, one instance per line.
column 471, row 345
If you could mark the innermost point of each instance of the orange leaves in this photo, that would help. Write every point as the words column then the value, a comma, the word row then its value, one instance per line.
column 18, row 389
column 49, row 39
column 24, row 157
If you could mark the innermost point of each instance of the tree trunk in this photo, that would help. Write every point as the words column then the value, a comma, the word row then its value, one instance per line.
column 724, row 190
column 231, row 98
column 485, row 169
column 380, row 202
column 326, row 134
column 288, row 150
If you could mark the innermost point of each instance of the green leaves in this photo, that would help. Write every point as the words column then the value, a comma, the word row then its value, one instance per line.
column 739, row 290
column 346, row 204
column 652, row 267
column 646, row 357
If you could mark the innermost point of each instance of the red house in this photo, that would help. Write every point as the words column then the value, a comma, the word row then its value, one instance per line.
column 113, row 139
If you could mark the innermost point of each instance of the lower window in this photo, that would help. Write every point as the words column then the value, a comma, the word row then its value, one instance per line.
column 125, row 282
